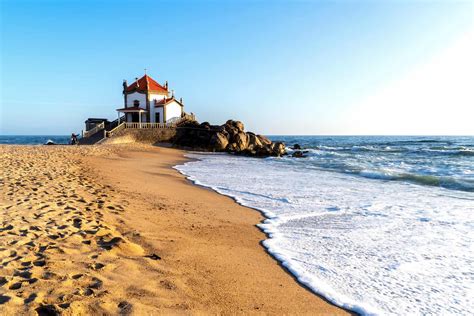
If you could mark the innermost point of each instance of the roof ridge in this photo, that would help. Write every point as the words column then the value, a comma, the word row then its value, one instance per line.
column 146, row 80
column 147, row 83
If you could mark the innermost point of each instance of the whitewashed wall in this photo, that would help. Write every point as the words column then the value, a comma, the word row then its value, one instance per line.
column 136, row 96
column 173, row 110
column 156, row 97
column 152, row 113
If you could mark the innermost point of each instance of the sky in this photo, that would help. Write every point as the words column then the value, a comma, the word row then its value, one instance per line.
column 282, row 67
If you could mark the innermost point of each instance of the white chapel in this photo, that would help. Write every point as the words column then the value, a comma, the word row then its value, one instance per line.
column 146, row 101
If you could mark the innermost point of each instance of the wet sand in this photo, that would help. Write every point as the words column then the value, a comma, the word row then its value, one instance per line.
column 116, row 230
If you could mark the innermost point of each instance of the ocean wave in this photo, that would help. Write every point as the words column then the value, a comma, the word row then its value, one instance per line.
column 417, row 141
column 387, row 170
column 455, row 151
column 429, row 180
column 466, row 152
column 435, row 164
column 375, row 247
column 443, row 150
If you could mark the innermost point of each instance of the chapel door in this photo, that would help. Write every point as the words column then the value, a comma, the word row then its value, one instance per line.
column 135, row 117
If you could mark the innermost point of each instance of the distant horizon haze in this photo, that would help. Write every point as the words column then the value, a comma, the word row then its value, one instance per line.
column 330, row 68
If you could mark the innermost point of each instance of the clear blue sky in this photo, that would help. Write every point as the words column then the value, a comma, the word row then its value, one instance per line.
column 282, row 67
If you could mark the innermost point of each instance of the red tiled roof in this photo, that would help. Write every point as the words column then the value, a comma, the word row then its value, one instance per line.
column 146, row 83
column 166, row 101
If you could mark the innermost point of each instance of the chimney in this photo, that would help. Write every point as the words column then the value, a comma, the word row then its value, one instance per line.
column 172, row 93
column 136, row 80
column 125, row 85
column 181, row 100
column 166, row 85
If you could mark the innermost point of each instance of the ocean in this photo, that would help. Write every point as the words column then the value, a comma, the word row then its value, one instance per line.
column 377, row 225
column 33, row 139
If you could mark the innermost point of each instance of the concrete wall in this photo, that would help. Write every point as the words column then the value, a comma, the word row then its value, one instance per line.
column 145, row 136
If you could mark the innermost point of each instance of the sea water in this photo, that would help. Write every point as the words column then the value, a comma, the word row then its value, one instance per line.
column 378, row 225
column 33, row 139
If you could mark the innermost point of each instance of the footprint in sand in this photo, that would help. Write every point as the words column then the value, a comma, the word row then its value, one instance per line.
column 52, row 233
column 4, row 299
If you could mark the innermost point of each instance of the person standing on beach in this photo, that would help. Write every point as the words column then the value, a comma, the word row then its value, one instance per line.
column 73, row 139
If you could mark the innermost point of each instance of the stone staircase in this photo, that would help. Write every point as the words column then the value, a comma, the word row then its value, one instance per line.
column 92, row 139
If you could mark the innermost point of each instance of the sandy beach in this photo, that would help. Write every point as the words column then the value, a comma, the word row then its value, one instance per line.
column 116, row 230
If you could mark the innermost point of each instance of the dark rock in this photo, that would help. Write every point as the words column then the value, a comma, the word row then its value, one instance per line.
column 298, row 154
column 205, row 125
column 296, row 146
column 229, row 137
column 217, row 128
column 239, row 125
column 254, row 142
column 264, row 140
column 265, row 151
column 241, row 140
column 231, row 130
column 231, row 147
column 218, row 142
column 278, row 149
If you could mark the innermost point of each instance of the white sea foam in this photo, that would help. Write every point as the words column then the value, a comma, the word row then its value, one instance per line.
column 373, row 246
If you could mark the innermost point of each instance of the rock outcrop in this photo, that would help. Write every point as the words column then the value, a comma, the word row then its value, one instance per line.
column 229, row 137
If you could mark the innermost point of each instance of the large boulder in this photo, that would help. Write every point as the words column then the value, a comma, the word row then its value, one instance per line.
column 254, row 142
column 229, row 137
column 241, row 140
column 232, row 147
column 205, row 125
column 230, row 129
column 264, row 140
column 278, row 149
column 218, row 142
column 239, row 125
column 264, row 151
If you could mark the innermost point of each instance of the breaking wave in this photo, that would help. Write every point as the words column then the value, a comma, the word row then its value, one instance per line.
column 379, row 241
column 443, row 162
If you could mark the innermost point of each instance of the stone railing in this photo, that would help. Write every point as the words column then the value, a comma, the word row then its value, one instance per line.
column 120, row 127
column 94, row 130
column 149, row 125
column 172, row 123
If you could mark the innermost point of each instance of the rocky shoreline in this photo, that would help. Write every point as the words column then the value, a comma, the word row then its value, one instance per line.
column 229, row 137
